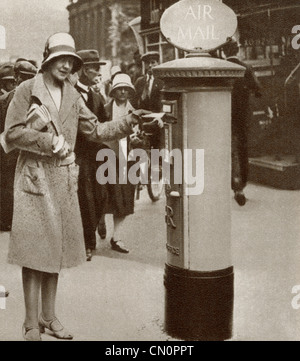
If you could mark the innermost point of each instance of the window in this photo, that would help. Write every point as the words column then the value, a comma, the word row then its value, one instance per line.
column 155, row 41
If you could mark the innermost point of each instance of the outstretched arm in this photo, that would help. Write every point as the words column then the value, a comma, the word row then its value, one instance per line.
column 101, row 132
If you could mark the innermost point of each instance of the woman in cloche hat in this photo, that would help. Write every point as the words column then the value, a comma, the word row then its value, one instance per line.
column 120, row 200
column 42, row 122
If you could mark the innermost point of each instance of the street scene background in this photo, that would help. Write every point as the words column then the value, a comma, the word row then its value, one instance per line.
column 120, row 297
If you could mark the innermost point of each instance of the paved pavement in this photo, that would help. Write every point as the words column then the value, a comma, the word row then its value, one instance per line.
column 119, row 297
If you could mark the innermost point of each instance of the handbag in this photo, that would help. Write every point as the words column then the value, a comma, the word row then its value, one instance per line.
column 37, row 117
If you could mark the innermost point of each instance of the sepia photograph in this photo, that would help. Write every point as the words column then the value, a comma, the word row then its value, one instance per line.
column 150, row 173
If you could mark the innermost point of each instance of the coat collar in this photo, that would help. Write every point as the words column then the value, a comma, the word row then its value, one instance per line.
column 69, row 97
column 108, row 108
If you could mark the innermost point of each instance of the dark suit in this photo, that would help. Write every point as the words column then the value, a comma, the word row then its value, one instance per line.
column 7, row 171
column 90, row 193
column 152, row 102
column 239, row 119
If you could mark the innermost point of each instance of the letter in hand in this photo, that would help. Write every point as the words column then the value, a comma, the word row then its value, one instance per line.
column 152, row 121
column 136, row 116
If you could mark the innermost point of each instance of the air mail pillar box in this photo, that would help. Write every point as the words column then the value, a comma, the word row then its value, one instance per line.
column 199, row 273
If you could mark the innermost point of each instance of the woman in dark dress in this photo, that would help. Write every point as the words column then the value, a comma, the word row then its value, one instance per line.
column 120, row 196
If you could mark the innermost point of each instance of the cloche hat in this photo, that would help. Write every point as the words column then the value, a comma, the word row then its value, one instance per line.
column 121, row 81
column 61, row 44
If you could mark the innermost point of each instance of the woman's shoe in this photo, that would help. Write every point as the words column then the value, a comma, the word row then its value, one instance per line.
column 56, row 327
column 118, row 246
column 31, row 333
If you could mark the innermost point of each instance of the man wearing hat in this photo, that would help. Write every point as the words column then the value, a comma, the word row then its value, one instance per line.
column 148, row 91
column 7, row 78
column 23, row 70
column 89, row 191
column 147, row 87
column 239, row 114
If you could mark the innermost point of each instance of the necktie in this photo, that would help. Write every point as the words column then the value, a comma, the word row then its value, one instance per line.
column 146, row 92
column 89, row 98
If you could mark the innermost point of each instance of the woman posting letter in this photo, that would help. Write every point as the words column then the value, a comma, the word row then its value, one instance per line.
column 47, row 229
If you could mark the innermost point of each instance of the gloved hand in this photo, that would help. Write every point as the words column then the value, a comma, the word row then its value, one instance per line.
column 135, row 117
column 139, row 139
column 152, row 122
column 60, row 147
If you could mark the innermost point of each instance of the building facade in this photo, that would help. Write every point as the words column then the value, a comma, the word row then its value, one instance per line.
column 266, row 38
column 103, row 25
column 265, row 34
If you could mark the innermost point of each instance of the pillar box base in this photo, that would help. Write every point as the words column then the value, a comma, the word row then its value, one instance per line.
column 199, row 305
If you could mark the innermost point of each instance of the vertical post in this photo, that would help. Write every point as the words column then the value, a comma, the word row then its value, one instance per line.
column 199, row 274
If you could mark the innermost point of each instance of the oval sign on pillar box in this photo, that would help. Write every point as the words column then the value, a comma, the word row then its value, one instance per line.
column 200, row 24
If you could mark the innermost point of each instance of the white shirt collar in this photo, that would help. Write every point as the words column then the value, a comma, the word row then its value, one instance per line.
column 83, row 87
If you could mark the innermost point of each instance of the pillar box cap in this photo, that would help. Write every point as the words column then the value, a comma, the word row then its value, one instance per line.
column 199, row 67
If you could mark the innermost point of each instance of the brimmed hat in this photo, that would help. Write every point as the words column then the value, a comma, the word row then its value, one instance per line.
column 7, row 71
column 61, row 44
column 121, row 81
column 149, row 55
column 90, row 57
column 25, row 67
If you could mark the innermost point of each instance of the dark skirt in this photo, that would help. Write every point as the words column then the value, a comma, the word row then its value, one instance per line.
column 119, row 199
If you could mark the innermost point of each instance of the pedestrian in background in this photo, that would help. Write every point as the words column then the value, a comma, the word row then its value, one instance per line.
column 23, row 70
column 99, row 88
column 115, row 70
column 7, row 78
column 134, row 71
column 120, row 200
column 239, row 119
column 148, row 92
column 43, row 120
column 90, row 193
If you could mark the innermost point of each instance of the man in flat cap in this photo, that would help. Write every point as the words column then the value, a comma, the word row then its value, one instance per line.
column 22, row 70
column 147, row 87
column 7, row 78
column 90, row 193
column 148, row 91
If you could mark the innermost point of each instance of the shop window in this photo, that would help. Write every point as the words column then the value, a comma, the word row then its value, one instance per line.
column 168, row 52
column 155, row 41
column 153, row 38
